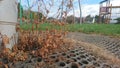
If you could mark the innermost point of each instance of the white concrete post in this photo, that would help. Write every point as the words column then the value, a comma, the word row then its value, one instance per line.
column 93, row 21
column 8, row 20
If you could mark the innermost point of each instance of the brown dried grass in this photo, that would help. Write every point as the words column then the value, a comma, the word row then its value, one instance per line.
column 99, row 52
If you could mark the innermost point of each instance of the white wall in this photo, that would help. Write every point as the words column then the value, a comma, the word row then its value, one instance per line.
column 115, row 14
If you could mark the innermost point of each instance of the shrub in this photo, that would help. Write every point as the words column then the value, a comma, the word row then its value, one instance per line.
column 118, row 20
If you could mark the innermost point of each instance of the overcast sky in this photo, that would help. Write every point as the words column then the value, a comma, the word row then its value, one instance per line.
column 89, row 7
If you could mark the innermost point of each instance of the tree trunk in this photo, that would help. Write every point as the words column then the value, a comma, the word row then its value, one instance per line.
column 80, row 11
column 62, row 10
column 73, row 13
column 8, row 21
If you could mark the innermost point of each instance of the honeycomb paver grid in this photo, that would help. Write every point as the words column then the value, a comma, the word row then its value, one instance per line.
column 76, row 58
column 110, row 44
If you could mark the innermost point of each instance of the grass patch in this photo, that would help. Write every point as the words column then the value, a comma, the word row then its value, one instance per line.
column 106, row 29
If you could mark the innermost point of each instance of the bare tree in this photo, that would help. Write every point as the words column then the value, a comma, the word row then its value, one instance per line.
column 80, row 11
column 62, row 4
column 70, row 5
column 73, row 11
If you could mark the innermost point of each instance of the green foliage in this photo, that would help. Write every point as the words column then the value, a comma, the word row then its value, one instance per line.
column 70, row 19
column 118, row 20
column 89, row 18
column 96, row 18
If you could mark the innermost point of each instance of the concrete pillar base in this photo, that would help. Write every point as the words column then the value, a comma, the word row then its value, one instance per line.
column 10, row 32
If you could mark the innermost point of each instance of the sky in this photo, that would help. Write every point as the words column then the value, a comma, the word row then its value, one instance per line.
column 89, row 7
column 92, row 1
